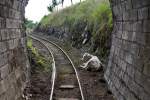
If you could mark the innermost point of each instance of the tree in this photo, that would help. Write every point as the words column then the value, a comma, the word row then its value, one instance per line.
column 50, row 8
column 71, row 2
column 62, row 2
column 30, row 24
column 54, row 3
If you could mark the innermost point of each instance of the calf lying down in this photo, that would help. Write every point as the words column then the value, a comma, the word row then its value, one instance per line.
column 91, row 62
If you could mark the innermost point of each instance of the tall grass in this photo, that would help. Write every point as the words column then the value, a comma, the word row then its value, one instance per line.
column 94, row 14
column 90, row 10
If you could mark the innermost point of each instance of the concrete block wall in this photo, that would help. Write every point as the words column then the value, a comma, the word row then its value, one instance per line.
column 128, row 70
column 13, row 59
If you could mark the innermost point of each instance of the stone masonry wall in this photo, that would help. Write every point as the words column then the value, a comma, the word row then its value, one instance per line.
column 13, row 59
column 128, row 70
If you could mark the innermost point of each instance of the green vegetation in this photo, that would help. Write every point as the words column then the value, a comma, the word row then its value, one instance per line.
column 30, row 25
column 54, row 3
column 39, row 60
column 91, row 11
column 96, row 15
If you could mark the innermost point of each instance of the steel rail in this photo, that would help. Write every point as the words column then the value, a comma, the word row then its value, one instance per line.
column 53, row 78
column 79, row 83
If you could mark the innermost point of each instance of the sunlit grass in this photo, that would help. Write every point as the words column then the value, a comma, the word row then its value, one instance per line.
column 40, row 60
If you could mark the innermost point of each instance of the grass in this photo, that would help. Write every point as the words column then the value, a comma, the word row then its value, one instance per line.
column 96, row 15
column 90, row 10
column 40, row 60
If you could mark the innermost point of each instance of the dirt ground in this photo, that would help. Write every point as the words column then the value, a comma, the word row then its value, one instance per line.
column 39, row 86
column 93, row 84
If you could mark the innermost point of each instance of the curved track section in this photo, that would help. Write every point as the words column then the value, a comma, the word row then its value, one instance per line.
column 66, row 83
column 53, row 66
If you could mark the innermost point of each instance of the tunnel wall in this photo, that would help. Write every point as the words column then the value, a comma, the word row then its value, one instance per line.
column 128, row 70
column 13, row 59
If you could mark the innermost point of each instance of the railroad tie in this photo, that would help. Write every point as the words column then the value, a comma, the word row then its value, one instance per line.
column 67, row 87
column 67, row 99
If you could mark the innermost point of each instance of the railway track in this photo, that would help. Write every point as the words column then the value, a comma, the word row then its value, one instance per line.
column 65, row 80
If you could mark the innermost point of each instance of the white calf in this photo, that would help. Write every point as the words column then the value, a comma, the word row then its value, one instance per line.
column 91, row 62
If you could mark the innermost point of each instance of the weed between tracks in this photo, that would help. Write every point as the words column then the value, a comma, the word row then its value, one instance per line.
column 37, row 58
column 39, row 86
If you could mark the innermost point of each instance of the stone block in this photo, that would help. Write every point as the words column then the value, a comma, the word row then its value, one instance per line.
column 2, row 90
column 146, row 26
column 1, row 11
column 146, row 85
column 133, row 15
column 128, row 5
column 18, row 73
column 117, row 83
column 134, row 49
column 17, row 5
column 2, row 2
column 130, row 71
column 3, row 59
column 3, row 96
column 5, row 12
column 137, row 3
column 3, row 47
column 130, row 96
column 128, row 26
column 123, row 89
column 121, row 97
column 4, row 71
column 144, row 95
column 146, row 3
column 137, row 26
column 11, row 23
column 117, row 9
column 4, row 34
column 9, row 3
column 141, row 38
column 124, row 66
column 146, row 70
column 12, row 79
column 146, row 63
column 125, row 35
column 13, row 43
column 14, row 14
column 126, row 79
column 2, row 23
column 138, row 64
column 143, row 13
column 129, row 58
column 11, row 93
column 139, row 77
column 147, row 39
